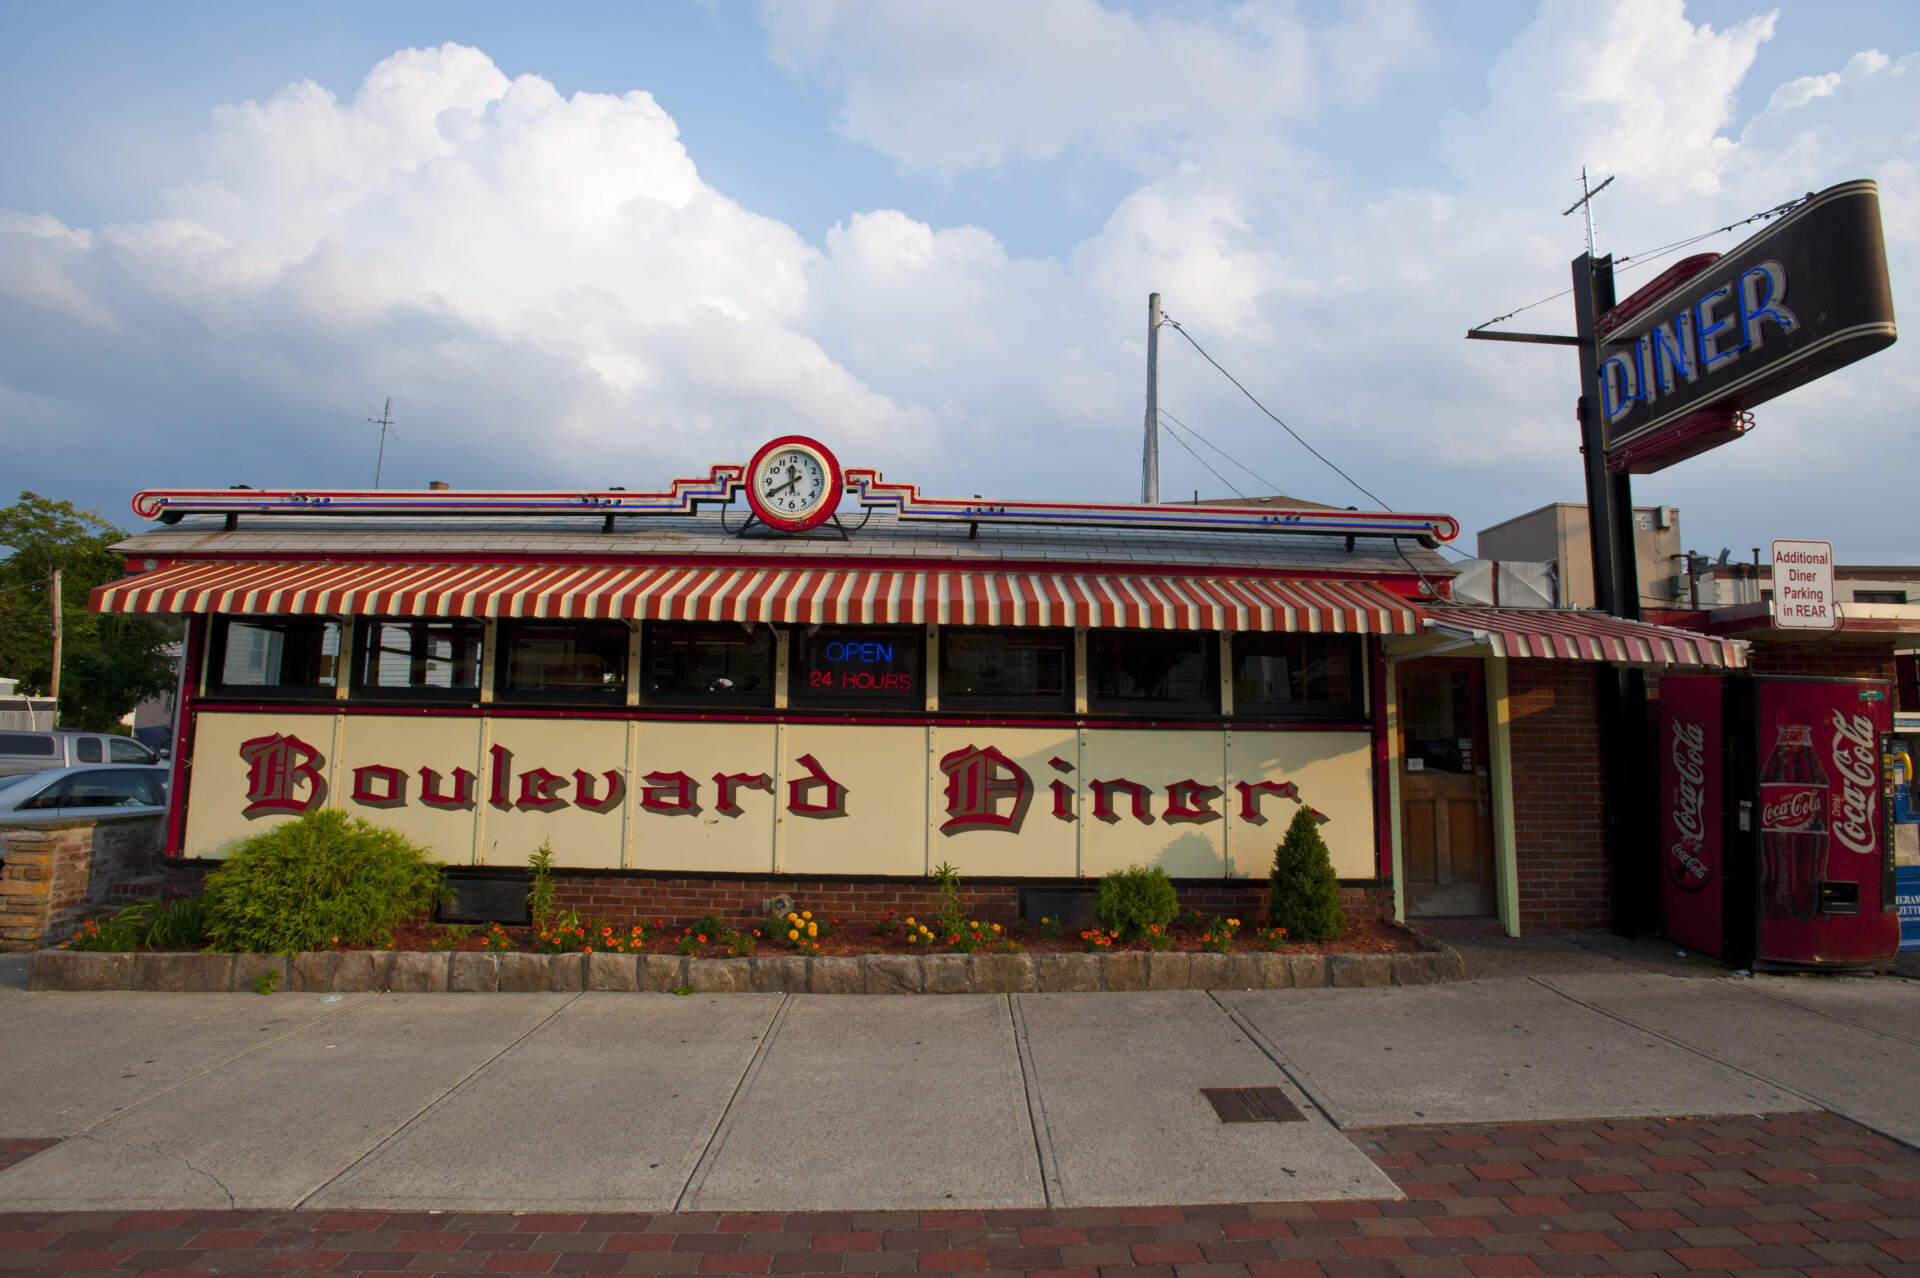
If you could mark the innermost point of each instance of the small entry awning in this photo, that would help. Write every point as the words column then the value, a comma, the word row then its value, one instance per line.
column 792, row 596
column 1572, row 635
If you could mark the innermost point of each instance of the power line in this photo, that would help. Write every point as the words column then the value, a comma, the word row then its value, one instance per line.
column 1175, row 421
column 1646, row 256
column 1175, row 325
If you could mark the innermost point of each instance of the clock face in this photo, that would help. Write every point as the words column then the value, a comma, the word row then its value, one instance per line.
column 793, row 484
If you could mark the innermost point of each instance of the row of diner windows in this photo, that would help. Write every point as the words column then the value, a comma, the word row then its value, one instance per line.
column 722, row 666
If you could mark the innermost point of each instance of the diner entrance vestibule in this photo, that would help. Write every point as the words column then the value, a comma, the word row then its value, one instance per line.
column 1446, row 789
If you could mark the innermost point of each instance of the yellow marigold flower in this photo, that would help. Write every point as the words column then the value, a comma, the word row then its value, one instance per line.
column 806, row 914
column 996, row 927
column 792, row 917
column 793, row 934
column 909, row 920
column 813, row 929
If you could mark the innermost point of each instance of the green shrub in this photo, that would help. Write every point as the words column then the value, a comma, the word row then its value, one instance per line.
column 1133, row 900
column 325, row 879
column 1304, row 895
column 540, row 886
column 145, row 925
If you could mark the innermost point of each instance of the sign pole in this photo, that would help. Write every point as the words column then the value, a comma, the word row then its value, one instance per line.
column 1621, row 692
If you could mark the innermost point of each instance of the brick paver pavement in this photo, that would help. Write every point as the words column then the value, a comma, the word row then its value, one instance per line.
column 1784, row 1194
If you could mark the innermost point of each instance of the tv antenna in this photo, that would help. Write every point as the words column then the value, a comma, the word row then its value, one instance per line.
column 385, row 422
column 1586, row 202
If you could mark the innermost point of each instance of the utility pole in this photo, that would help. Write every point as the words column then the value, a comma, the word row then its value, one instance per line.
column 1150, row 454
column 385, row 422
column 55, row 591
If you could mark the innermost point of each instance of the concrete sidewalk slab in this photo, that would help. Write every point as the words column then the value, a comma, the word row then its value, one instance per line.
column 71, row 1060
column 889, row 1103
column 1883, row 1004
column 1121, row 1120
column 607, row 1108
column 270, row 1127
column 1491, row 1051
column 1859, row 1072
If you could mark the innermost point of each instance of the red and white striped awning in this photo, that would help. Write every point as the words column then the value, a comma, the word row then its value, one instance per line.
column 771, row 594
column 1584, row 636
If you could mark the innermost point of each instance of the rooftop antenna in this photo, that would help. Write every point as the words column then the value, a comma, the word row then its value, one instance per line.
column 385, row 422
column 1586, row 202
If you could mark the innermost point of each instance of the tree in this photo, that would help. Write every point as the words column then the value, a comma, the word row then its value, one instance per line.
column 109, row 664
column 1304, row 895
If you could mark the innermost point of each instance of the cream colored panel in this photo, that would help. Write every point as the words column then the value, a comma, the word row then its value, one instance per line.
column 1184, row 848
column 522, row 750
column 705, row 838
column 1333, row 772
column 883, row 772
column 238, row 765
column 382, row 778
column 985, row 791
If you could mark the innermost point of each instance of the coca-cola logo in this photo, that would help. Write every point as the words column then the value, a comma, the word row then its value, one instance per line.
column 1856, row 757
column 1687, row 753
column 1792, row 810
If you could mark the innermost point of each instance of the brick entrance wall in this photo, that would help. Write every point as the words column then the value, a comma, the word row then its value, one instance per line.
column 1559, row 839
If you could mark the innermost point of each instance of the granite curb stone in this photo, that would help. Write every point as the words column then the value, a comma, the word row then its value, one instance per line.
column 361, row 971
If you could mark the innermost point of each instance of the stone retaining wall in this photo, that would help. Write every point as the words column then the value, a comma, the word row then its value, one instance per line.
column 413, row 972
column 53, row 876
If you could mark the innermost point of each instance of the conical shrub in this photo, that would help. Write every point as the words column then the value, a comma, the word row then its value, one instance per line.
column 1304, row 895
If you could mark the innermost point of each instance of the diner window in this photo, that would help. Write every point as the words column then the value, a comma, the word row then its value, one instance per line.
column 857, row 667
column 277, row 656
column 708, row 664
column 1880, row 596
column 418, row 657
column 1174, row 672
column 562, row 661
column 1016, row 670
column 1289, row 676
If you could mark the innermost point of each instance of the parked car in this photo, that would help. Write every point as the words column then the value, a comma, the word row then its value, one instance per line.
column 157, row 737
column 38, row 751
column 81, row 793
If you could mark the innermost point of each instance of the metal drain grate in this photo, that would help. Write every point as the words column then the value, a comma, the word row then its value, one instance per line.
column 1252, row 1105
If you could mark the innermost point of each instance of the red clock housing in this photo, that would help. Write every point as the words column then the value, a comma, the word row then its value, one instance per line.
column 794, row 483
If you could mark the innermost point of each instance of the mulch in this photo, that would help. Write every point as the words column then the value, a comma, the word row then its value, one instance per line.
column 1807, row 1193
column 1362, row 936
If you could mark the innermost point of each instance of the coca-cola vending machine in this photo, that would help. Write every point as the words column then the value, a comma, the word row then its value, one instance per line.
column 1774, row 830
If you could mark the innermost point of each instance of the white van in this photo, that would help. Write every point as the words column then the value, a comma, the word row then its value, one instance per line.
column 38, row 751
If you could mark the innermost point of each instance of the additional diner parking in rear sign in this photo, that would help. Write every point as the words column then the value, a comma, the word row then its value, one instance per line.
column 1803, row 585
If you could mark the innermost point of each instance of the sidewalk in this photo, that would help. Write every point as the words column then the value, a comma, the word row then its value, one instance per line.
column 1445, row 1129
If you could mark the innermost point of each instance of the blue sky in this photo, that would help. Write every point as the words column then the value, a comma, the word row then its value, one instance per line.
column 923, row 232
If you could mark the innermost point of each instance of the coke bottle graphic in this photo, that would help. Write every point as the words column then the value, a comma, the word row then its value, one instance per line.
column 1793, row 826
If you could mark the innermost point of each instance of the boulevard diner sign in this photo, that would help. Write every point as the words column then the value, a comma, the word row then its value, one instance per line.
column 796, row 797
column 1682, row 360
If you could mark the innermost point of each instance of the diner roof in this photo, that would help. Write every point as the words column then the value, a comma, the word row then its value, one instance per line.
column 704, row 536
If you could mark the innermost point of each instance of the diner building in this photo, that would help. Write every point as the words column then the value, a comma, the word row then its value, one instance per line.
column 826, row 690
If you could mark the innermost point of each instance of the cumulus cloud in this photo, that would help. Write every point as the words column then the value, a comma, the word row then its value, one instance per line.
column 555, row 295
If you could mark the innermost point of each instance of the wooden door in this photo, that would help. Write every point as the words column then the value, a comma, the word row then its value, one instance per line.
column 1446, row 809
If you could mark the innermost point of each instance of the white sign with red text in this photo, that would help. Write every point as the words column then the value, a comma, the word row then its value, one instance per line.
column 1803, row 595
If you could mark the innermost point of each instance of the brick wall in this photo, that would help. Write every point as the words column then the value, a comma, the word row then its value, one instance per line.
column 53, row 877
column 1559, row 839
column 631, row 898
column 1835, row 658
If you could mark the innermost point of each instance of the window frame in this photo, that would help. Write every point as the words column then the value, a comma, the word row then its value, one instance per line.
column 654, row 633
column 994, row 703
column 217, row 688
column 801, row 697
column 1209, row 707
column 1351, row 712
column 363, row 632
column 612, row 694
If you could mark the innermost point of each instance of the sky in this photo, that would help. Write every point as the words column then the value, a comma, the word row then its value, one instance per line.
column 584, row 245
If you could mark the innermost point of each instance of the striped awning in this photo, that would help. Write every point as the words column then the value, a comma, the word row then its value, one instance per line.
column 1583, row 636
column 770, row 594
